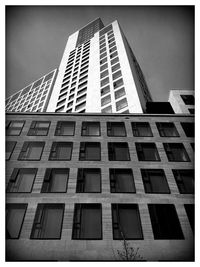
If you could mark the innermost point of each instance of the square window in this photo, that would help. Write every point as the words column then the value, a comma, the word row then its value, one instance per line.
column 65, row 128
column 87, row 223
column 155, row 181
column 185, row 181
column 147, row 152
column 121, row 181
column 126, row 222
column 90, row 151
column 105, row 100
column 176, row 152
column 188, row 128
column 105, row 90
column 39, row 128
column 21, row 180
column 188, row 99
column 31, row 151
column 90, row 128
column 61, row 151
column 48, row 221
column 167, row 129
column 119, row 93
column 14, row 127
column 116, row 129
column 118, row 151
column 190, row 213
column 88, row 181
column 55, row 180
column 165, row 222
column 10, row 145
column 141, row 129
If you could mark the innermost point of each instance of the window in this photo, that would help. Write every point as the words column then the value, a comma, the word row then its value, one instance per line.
column 191, row 110
column 105, row 90
column 39, row 128
column 119, row 93
column 80, row 106
column 121, row 104
column 116, row 75
column 118, row 151
column 15, row 214
column 14, row 127
column 116, row 129
column 188, row 99
column 88, row 181
column 105, row 66
column 90, row 128
column 188, row 128
column 104, row 81
column 87, row 222
column 185, row 181
column 103, row 60
column 115, row 67
column 141, row 129
column 154, row 181
column 105, row 100
column 103, row 55
column 121, row 181
column 48, row 221
column 10, row 145
column 81, row 98
column 118, row 83
column 65, row 128
column 21, row 180
column 31, row 151
column 167, row 129
column 90, row 151
column 107, row 110
column 60, row 109
column 147, row 152
column 104, row 74
column 165, row 222
column 55, row 180
column 61, row 151
column 115, row 60
column 190, row 213
column 114, row 54
column 126, row 222
column 176, row 152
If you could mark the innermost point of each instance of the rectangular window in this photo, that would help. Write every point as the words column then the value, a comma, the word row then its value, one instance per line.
column 155, row 181
column 55, row 180
column 118, row 151
column 104, row 74
column 80, row 106
column 107, row 110
column 90, row 128
column 87, row 223
column 176, row 152
column 105, row 90
column 10, row 145
column 116, row 129
column 105, row 100
column 104, row 81
column 14, row 127
column 115, row 67
column 61, row 151
column 15, row 214
column 147, row 152
column 105, row 66
column 90, row 151
column 188, row 128
column 165, row 222
column 48, row 221
column 115, row 60
column 190, row 213
column 39, row 128
column 191, row 110
column 104, row 60
column 60, row 109
column 71, row 97
column 113, row 49
column 88, row 181
column 82, row 91
column 117, row 75
column 21, row 180
column 103, row 55
column 121, row 181
column 167, row 129
column 113, row 54
column 141, row 129
column 65, row 128
column 119, row 93
column 31, row 151
column 188, row 99
column 185, row 181
column 121, row 104
column 81, row 98
column 126, row 222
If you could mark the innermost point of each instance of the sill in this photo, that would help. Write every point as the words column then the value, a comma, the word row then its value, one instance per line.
column 166, row 193
column 89, row 159
column 29, row 159
column 54, row 192
column 87, row 238
column 56, row 238
column 149, row 160
column 141, row 238
column 123, row 192
column 179, row 160
column 59, row 159
column 94, row 192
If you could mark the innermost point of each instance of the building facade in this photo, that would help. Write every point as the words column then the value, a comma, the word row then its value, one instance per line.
column 79, row 184
column 182, row 101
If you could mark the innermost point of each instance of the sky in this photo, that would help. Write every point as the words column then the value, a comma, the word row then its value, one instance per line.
column 162, row 39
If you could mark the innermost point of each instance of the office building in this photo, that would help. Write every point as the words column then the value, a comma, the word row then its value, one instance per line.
column 182, row 101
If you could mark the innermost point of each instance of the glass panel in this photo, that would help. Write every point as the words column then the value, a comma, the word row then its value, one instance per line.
column 58, row 181
column 150, row 153
column 121, row 153
column 34, row 152
column 92, row 181
column 67, row 128
column 124, row 183
column 93, row 129
column 93, row 152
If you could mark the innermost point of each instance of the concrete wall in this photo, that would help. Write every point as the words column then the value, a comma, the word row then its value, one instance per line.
column 177, row 102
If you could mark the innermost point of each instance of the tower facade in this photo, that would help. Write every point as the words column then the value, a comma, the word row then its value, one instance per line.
column 182, row 101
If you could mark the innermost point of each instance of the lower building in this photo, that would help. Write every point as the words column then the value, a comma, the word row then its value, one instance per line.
column 82, row 187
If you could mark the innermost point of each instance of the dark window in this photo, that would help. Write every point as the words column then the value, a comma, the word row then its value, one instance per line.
column 188, row 128
column 119, row 93
column 61, row 151
column 39, row 128
column 118, row 83
column 121, row 181
column 48, row 221
column 88, row 181
column 21, row 180
column 141, row 129
column 10, row 145
column 90, row 128
column 185, row 181
column 190, row 213
column 188, row 99
column 167, row 129
column 165, row 222
column 31, row 151
column 90, row 151
column 191, row 110
column 176, row 152
column 147, row 152
column 107, row 110
column 118, row 151
column 87, row 222
column 121, row 104
column 65, row 128
column 105, row 100
column 55, row 180
column 15, row 214
column 14, row 127
column 126, row 222
column 105, row 90
column 154, row 181
column 116, row 129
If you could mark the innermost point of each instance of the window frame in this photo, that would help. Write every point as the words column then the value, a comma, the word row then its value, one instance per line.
column 59, row 128
column 85, row 127
column 9, row 127
column 139, row 150
column 178, row 173
column 112, row 177
column 83, row 147
column 135, row 128
column 161, row 129
column 35, row 128
column 169, row 153
column 24, row 150
column 55, row 146
column 80, row 177
column 111, row 149
column 111, row 124
column 12, row 149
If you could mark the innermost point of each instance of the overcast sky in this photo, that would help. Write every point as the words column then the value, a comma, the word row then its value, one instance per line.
column 162, row 39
